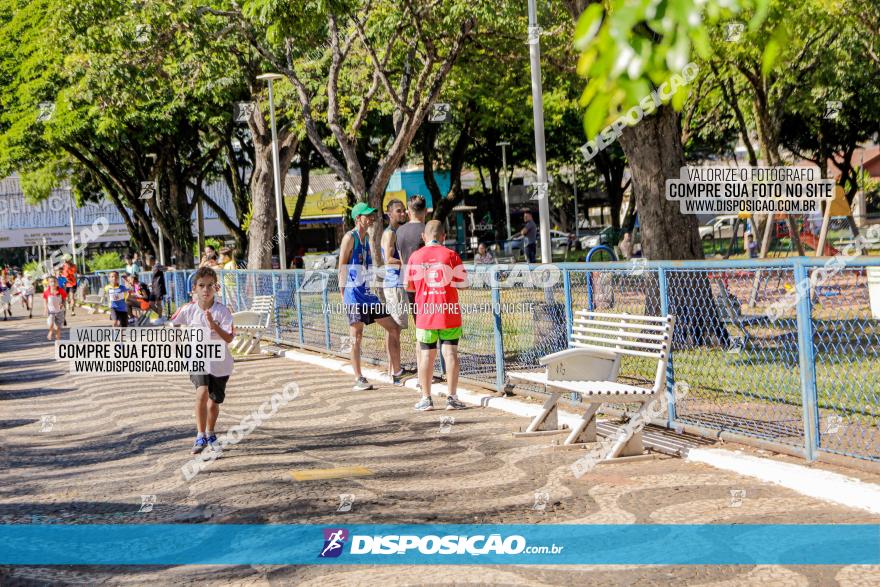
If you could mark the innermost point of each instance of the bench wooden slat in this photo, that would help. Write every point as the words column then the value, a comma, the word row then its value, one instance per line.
column 631, row 317
column 635, row 344
column 585, row 387
column 619, row 334
column 633, row 352
column 630, row 325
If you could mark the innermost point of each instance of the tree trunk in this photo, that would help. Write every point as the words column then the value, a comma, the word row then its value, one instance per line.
column 429, row 136
column 261, row 230
column 629, row 216
column 612, row 169
column 653, row 149
column 177, row 214
column 499, row 211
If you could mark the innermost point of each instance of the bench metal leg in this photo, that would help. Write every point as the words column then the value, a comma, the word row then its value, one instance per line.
column 254, row 348
column 247, row 342
column 242, row 340
column 547, row 422
column 585, row 431
column 627, row 445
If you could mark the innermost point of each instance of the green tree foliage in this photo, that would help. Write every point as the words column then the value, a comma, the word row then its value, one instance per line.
column 122, row 81
column 630, row 47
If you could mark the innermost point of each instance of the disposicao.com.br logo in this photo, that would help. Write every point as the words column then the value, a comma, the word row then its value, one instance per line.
column 398, row 544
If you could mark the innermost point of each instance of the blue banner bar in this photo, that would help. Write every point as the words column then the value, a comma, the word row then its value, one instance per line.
column 227, row 544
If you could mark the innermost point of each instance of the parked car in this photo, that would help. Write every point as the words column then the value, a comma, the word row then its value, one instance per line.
column 595, row 236
column 327, row 261
column 558, row 240
column 720, row 227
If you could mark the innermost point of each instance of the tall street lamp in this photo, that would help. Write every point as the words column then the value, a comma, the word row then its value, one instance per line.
column 276, row 166
column 538, row 110
column 574, row 176
column 504, row 145
column 70, row 217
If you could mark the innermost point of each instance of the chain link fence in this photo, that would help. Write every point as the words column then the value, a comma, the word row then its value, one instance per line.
column 785, row 351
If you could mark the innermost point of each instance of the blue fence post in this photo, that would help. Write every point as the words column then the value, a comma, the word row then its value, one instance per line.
column 670, row 371
column 238, row 290
column 325, row 308
column 807, row 360
column 499, row 334
column 589, row 277
column 223, row 288
column 185, row 295
column 569, row 316
column 275, row 308
column 299, row 310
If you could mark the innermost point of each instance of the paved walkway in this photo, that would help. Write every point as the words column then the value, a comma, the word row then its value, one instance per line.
column 85, row 449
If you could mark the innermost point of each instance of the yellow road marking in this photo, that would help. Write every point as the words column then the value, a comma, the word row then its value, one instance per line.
column 335, row 473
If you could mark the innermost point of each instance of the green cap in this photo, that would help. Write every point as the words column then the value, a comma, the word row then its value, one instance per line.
column 361, row 209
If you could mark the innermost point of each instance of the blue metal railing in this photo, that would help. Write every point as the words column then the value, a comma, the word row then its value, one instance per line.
column 801, row 372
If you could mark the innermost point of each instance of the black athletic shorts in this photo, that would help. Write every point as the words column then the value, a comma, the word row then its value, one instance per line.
column 366, row 313
column 216, row 385
column 120, row 315
column 71, row 290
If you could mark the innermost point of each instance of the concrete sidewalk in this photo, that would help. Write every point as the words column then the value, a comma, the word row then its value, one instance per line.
column 89, row 449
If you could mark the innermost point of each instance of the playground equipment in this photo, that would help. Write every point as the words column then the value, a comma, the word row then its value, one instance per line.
column 601, row 253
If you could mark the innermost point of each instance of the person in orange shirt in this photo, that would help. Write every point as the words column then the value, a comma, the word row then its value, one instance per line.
column 68, row 270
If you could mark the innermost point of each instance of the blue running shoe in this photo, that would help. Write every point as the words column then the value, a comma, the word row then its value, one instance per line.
column 199, row 445
column 212, row 442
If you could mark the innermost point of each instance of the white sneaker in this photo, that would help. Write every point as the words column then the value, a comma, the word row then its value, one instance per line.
column 361, row 384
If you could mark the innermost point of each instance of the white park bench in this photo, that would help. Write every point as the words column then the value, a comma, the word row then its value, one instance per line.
column 250, row 325
column 590, row 368
column 95, row 303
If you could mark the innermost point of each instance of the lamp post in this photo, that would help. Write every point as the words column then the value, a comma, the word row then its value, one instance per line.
column 538, row 110
column 279, row 205
column 575, row 184
column 153, row 158
column 70, row 217
column 504, row 145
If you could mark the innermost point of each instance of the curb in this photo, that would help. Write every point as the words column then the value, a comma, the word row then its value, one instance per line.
column 816, row 483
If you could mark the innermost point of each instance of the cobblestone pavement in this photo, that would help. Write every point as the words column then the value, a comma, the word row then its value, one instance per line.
column 85, row 449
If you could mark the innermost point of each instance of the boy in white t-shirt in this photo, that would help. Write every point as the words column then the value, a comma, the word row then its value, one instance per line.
column 206, row 312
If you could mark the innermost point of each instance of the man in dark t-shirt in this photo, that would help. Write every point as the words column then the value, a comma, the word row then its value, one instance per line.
column 409, row 235
column 409, row 240
column 530, row 237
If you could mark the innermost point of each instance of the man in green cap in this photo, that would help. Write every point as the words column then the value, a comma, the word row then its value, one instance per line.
column 361, row 304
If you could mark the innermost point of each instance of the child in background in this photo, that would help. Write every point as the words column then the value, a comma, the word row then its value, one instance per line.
column 751, row 246
column 116, row 294
column 138, row 300
column 62, row 284
column 61, row 280
column 158, row 291
column 5, row 298
column 55, row 298
column 206, row 312
column 25, row 288
column 68, row 271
